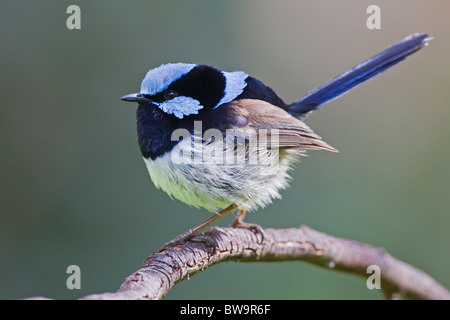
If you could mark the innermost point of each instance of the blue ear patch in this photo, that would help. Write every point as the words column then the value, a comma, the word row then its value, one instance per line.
column 180, row 106
column 160, row 78
column 234, row 86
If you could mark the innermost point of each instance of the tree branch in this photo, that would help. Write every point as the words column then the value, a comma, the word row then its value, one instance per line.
column 170, row 265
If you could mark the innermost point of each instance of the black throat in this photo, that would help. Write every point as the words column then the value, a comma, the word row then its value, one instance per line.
column 155, row 127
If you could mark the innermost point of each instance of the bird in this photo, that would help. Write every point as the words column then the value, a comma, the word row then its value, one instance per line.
column 225, row 141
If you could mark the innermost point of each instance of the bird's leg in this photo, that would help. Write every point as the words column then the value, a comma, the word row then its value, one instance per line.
column 239, row 223
column 239, row 220
column 192, row 232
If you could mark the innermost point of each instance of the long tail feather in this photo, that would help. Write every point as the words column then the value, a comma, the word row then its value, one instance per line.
column 359, row 74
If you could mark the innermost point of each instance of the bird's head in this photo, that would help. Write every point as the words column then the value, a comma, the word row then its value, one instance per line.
column 182, row 89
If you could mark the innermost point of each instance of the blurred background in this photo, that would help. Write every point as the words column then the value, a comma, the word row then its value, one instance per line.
column 74, row 188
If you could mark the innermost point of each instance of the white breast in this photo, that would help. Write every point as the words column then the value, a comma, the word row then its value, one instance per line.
column 198, row 174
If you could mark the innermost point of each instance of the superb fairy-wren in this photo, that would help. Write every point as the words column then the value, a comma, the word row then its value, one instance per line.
column 224, row 140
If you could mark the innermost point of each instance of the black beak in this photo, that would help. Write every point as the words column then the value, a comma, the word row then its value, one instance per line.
column 135, row 97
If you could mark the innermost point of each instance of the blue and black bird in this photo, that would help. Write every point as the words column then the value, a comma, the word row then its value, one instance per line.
column 224, row 140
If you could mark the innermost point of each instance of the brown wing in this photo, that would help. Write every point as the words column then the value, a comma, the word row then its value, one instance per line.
column 253, row 115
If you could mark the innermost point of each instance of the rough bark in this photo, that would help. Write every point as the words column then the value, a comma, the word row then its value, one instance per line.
column 172, row 264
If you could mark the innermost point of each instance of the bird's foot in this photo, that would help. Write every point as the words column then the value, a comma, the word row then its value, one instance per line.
column 189, row 235
column 182, row 238
column 255, row 228
column 193, row 236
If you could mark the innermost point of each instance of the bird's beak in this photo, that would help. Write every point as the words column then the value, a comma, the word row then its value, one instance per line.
column 135, row 97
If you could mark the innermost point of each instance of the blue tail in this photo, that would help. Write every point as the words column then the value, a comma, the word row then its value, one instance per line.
column 359, row 74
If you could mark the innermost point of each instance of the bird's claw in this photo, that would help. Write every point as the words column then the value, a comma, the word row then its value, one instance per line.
column 192, row 236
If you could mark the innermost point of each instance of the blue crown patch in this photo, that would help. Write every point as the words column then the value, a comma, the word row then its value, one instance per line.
column 160, row 78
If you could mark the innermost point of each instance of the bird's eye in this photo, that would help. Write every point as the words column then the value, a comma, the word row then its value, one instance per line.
column 170, row 94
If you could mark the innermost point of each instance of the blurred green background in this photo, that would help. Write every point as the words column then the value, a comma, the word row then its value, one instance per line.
column 74, row 189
